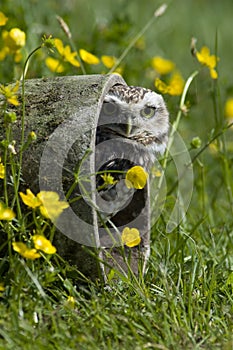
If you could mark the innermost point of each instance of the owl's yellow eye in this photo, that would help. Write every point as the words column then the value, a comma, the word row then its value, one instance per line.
column 109, row 108
column 147, row 112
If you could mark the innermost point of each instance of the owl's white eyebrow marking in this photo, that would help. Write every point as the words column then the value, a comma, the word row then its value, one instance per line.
column 111, row 98
column 150, row 105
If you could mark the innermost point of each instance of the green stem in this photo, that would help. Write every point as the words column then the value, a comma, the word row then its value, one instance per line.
column 210, row 141
column 67, row 31
column 177, row 121
column 78, row 56
column 15, row 177
column 215, row 137
column 155, row 17
column 5, row 165
column 16, row 184
column 181, row 107
column 173, row 131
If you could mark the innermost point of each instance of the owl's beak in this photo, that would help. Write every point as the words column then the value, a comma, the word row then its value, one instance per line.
column 129, row 127
column 126, row 129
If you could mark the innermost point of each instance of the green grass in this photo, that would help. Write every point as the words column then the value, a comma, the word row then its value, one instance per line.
column 185, row 299
column 183, row 303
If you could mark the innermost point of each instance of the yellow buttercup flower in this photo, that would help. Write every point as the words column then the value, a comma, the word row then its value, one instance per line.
column 136, row 177
column 2, row 288
column 70, row 302
column 208, row 60
column 88, row 57
column 3, row 53
column 47, row 201
column 108, row 61
column 2, row 170
column 9, row 93
column 130, row 237
column 54, row 65
column 6, row 213
column 32, row 135
column 30, row 199
column 162, row 65
column 24, row 251
column 176, row 84
column 228, row 111
column 42, row 243
column 3, row 19
column 51, row 207
column 65, row 52
column 14, row 39
column 108, row 179
column 161, row 86
column 174, row 87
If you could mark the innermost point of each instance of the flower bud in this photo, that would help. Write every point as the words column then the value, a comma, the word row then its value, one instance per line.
column 196, row 142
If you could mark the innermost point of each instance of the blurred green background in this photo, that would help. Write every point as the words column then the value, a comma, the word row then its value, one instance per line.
column 106, row 26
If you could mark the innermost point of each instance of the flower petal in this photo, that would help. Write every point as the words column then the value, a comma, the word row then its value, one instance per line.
column 42, row 243
column 2, row 171
column 108, row 61
column 51, row 206
column 54, row 65
column 130, row 237
column 88, row 57
column 162, row 66
column 3, row 19
column 6, row 213
column 213, row 74
column 59, row 46
column 136, row 177
column 24, row 251
column 229, row 108
column 30, row 199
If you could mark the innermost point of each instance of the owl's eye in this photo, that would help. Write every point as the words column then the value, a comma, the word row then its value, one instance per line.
column 147, row 112
column 109, row 108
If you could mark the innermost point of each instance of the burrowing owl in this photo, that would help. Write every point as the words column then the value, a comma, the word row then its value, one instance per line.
column 132, row 130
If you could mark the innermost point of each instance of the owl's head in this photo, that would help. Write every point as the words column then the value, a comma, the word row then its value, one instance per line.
column 135, row 113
